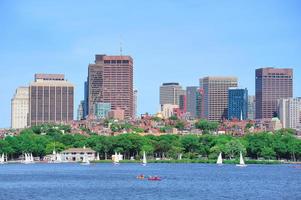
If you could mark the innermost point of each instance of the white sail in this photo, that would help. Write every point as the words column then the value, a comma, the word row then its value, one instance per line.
column 97, row 157
column 2, row 159
column 220, row 159
column 116, row 158
column 31, row 158
column 86, row 160
column 58, row 157
column 144, row 161
column 241, row 162
column 53, row 152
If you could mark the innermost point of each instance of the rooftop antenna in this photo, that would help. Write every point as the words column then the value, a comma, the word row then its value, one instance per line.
column 120, row 48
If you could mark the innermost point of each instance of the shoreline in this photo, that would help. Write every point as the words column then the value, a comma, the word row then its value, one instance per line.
column 183, row 161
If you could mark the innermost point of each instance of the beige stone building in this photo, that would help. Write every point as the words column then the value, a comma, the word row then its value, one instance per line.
column 19, row 108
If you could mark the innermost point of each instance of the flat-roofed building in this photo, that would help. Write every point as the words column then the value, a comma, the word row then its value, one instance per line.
column 110, row 80
column 51, row 100
column 272, row 84
column 170, row 93
column 216, row 96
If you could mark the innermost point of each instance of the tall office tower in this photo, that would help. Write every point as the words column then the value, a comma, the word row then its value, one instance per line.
column 191, row 97
column 135, row 102
column 183, row 103
column 237, row 103
column 251, row 107
column 19, row 108
column 51, row 99
column 111, row 81
column 272, row 84
column 80, row 110
column 86, row 100
column 200, row 104
column 170, row 93
column 289, row 111
column 216, row 96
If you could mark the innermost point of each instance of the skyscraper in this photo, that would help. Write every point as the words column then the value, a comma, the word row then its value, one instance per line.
column 216, row 96
column 289, row 111
column 135, row 101
column 86, row 99
column 251, row 107
column 110, row 80
column 51, row 99
column 170, row 93
column 19, row 108
column 272, row 84
column 191, row 98
column 237, row 103
column 200, row 108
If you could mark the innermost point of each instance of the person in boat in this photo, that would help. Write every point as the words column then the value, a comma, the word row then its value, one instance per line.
column 141, row 176
column 154, row 178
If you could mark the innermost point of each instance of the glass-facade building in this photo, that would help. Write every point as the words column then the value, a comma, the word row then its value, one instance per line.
column 237, row 103
column 101, row 110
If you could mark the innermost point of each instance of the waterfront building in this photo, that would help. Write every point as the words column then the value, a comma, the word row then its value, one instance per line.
column 191, row 98
column 19, row 108
column 51, row 100
column 170, row 93
column 80, row 110
column 117, row 113
column 251, row 107
column 101, row 110
column 289, row 112
column 272, row 84
column 237, row 103
column 77, row 154
column 216, row 96
column 110, row 80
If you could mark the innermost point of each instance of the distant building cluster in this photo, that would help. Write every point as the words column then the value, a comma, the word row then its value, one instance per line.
column 109, row 94
column 220, row 98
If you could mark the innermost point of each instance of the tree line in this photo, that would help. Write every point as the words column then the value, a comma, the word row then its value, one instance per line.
column 41, row 141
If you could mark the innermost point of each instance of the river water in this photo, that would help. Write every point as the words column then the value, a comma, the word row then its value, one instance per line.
column 179, row 181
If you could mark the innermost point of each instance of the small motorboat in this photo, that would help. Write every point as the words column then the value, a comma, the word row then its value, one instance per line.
column 141, row 177
column 154, row 178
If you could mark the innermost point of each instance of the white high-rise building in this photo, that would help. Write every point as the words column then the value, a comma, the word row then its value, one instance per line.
column 289, row 111
column 19, row 108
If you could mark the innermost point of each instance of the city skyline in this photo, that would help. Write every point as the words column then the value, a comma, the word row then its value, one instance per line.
column 29, row 46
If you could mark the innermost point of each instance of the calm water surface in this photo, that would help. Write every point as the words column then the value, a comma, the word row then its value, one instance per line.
column 180, row 181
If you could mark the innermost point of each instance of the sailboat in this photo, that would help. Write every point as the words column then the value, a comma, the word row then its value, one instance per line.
column 144, row 161
column 86, row 160
column 97, row 157
column 219, row 159
column 116, row 159
column 2, row 160
column 241, row 161
column 28, row 158
column 58, row 158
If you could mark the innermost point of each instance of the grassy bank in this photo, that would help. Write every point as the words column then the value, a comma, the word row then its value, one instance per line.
column 263, row 162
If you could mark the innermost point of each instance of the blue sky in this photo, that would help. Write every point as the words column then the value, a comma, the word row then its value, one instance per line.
column 169, row 40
